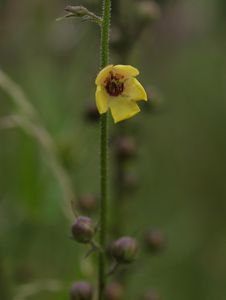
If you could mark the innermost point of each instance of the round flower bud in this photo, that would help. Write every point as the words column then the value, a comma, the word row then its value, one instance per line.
column 125, row 147
column 124, row 250
column 155, row 240
column 81, row 291
column 114, row 291
column 87, row 203
column 151, row 295
column 83, row 230
column 91, row 113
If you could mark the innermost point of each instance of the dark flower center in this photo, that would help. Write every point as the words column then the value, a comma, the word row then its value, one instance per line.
column 114, row 86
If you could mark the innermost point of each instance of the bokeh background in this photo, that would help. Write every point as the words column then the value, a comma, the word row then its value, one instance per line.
column 181, row 144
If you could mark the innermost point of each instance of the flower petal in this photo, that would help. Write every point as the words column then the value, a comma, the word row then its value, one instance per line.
column 126, row 70
column 103, row 74
column 134, row 90
column 102, row 99
column 122, row 108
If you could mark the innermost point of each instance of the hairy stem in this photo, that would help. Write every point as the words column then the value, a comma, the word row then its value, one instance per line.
column 103, row 152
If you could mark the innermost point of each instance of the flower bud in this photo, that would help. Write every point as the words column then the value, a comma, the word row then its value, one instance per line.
column 91, row 113
column 83, row 229
column 155, row 240
column 151, row 295
column 124, row 250
column 125, row 147
column 87, row 203
column 114, row 291
column 81, row 291
column 79, row 11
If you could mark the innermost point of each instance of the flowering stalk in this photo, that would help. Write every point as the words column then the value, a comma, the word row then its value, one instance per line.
column 106, row 15
column 118, row 90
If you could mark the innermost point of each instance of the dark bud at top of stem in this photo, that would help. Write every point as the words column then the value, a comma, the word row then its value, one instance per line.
column 81, row 291
column 124, row 250
column 151, row 295
column 91, row 113
column 87, row 203
column 114, row 291
column 155, row 240
column 125, row 147
column 83, row 230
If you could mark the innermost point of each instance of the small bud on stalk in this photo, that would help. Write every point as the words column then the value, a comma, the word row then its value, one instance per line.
column 114, row 291
column 82, row 12
column 125, row 147
column 81, row 291
column 155, row 240
column 124, row 250
column 83, row 230
column 79, row 11
column 87, row 203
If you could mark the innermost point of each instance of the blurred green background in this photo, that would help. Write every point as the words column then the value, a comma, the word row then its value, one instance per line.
column 181, row 142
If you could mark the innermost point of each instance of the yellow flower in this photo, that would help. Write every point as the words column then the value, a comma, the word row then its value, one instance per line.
column 118, row 90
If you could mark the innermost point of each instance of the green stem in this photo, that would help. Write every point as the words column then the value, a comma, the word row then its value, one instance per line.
column 103, row 207
column 106, row 17
column 103, row 152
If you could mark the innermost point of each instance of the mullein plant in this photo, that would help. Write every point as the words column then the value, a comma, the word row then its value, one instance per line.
column 118, row 91
column 123, row 39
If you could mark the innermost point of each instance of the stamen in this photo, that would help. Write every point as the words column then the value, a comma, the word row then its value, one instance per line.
column 114, row 85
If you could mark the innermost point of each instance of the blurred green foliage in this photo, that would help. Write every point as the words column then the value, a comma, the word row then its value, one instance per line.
column 182, row 148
